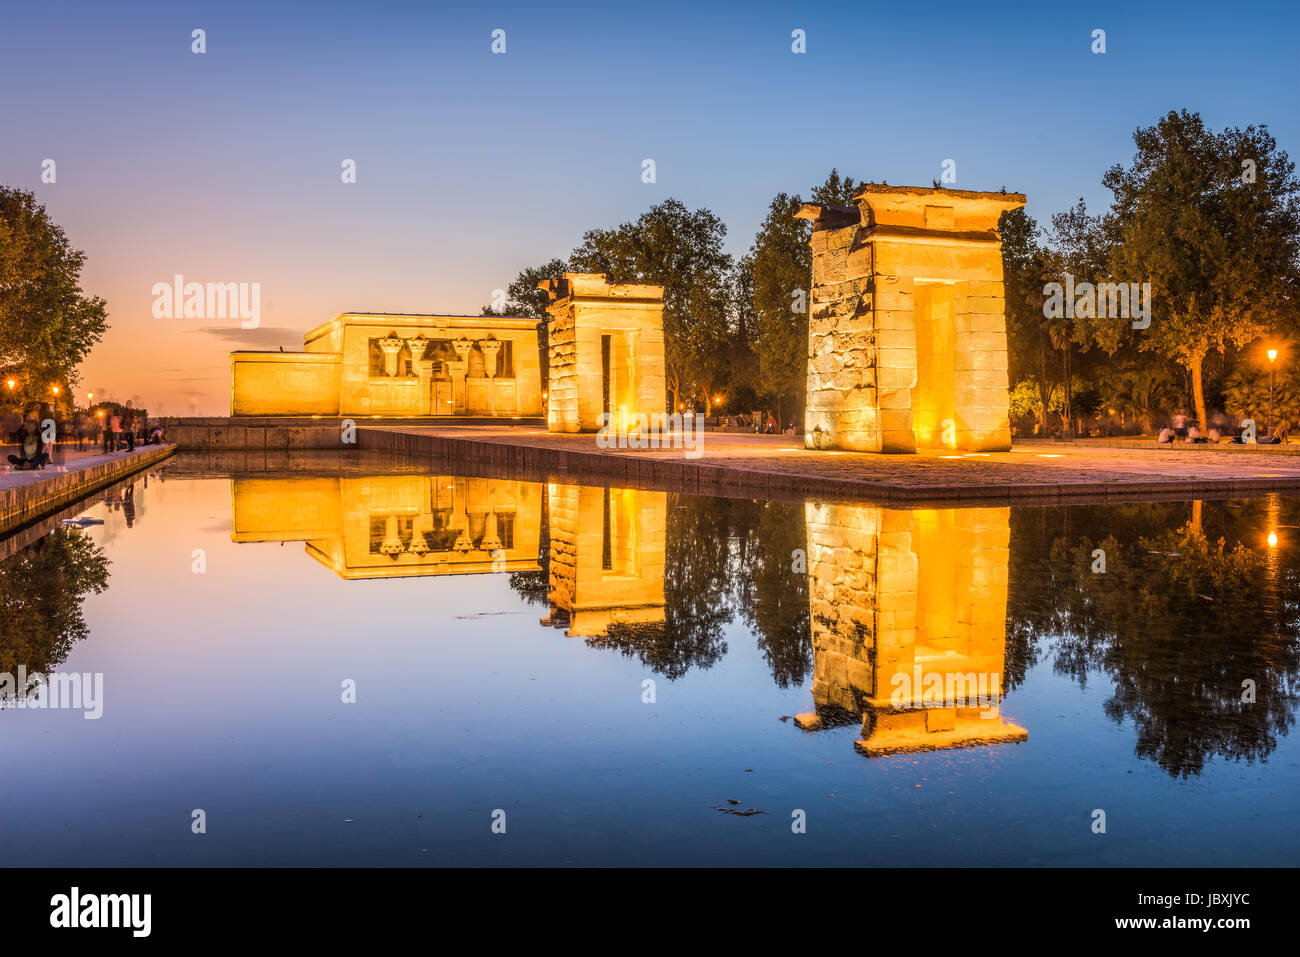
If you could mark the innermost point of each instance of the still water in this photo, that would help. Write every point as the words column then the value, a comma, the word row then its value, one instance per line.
column 621, row 676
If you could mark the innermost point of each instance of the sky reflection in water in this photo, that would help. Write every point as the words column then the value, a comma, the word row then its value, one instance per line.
column 500, row 634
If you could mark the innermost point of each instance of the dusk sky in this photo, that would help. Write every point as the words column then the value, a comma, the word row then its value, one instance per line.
column 225, row 166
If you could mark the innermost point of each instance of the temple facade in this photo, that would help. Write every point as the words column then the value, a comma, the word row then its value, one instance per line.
column 907, row 344
column 397, row 365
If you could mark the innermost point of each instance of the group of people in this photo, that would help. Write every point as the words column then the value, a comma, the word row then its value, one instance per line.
column 1181, row 428
column 36, row 434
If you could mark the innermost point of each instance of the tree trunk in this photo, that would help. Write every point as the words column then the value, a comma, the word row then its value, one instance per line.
column 1198, row 389
column 1069, row 397
column 1044, row 393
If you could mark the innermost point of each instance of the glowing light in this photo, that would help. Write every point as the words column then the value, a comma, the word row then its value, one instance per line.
column 56, row 390
column 1051, row 455
column 1272, row 355
column 90, row 397
column 1272, row 539
column 12, row 383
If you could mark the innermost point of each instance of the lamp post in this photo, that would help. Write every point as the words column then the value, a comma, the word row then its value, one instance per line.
column 1272, row 368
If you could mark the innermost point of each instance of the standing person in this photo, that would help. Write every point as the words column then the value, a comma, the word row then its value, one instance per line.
column 128, row 427
column 114, row 432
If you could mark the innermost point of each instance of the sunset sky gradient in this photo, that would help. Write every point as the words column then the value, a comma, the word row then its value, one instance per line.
column 225, row 167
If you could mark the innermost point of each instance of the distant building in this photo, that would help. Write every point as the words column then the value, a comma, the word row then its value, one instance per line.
column 391, row 364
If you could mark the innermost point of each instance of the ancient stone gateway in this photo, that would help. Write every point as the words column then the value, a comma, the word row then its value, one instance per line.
column 606, row 352
column 907, row 343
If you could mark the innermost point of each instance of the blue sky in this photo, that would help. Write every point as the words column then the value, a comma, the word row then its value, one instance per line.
column 226, row 166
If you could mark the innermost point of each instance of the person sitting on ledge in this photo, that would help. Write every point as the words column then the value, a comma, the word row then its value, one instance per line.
column 1278, row 437
column 31, row 455
column 1166, row 436
column 1194, row 434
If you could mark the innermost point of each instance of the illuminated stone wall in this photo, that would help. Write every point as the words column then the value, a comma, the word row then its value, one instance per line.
column 900, row 599
column 284, row 383
column 584, row 309
column 607, row 556
column 906, row 328
column 397, row 365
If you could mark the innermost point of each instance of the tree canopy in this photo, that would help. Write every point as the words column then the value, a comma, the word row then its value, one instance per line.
column 47, row 324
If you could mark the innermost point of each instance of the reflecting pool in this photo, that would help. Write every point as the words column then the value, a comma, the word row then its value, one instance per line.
column 338, row 666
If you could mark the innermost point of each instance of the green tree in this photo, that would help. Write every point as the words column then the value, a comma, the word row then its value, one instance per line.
column 681, row 250
column 1212, row 221
column 1029, row 344
column 1076, row 244
column 525, row 298
column 781, row 263
column 47, row 325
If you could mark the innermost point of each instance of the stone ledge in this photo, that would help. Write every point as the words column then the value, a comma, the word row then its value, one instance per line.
column 24, row 503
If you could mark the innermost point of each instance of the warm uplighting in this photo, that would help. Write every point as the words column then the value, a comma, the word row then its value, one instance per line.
column 1272, row 539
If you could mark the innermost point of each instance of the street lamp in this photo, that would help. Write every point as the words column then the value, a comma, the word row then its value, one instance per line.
column 11, row 383
column 1272, row 368
column 90, row 397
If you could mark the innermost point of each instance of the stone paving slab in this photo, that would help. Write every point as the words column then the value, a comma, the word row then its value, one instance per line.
column 780, row 463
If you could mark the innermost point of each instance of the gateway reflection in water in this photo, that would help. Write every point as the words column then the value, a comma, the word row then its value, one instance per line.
column 909, row 612
column 901, row 601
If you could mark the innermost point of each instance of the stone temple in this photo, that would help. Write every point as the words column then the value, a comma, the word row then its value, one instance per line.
column 606, row 357
column 907, row 344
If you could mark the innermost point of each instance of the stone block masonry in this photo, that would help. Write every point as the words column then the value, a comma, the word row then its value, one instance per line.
column 906, row 329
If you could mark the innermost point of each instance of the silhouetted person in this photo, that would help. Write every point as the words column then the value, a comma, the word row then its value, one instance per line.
column 128, row 428
column 30, row 454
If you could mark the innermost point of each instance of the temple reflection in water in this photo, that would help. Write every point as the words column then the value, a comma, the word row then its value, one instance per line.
column 396, row 526
column 606, row 557
column 908, row 613
column 908, row 608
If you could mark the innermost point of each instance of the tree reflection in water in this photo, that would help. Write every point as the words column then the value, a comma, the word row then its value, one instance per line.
column 726, row 558
column 41, row 592
column 1192, row 603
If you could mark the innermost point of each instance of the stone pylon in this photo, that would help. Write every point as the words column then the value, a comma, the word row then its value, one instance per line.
column 907, row 343
column 606, row 352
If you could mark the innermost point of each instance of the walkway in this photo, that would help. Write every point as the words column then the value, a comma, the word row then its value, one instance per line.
column 763, row 464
